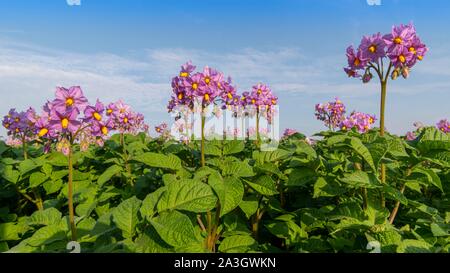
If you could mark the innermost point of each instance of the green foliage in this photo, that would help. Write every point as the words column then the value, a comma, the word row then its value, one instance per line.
column 155, row 198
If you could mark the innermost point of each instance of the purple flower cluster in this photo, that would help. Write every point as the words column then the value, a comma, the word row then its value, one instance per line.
column 123, row 119
column 361, row 121
column 402, row 48
column 331, row 113
column 207, row 87
column 20, row 125
column 289, row 132
column 444, row 126
column 69, row 118
column 162, row 129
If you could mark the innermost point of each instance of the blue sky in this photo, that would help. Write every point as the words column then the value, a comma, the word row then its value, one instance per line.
column 130, row 49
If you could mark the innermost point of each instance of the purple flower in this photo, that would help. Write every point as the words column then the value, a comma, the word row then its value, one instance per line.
column 187, row 69
column 400, row 37
column 411, row 136
column 94, row 113
column 356, row 60
column 443, row 125
column 161, row 129
column 70, row 98
column 351, row 73
column 289, row 132
column 361, row 121
column 102, row 129
column 331, row 113
column 400, row 57
column 372, row 47
column 65, row 121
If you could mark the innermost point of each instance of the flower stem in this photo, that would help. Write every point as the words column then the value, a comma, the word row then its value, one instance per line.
column 70, row 196
column 24, row 147
column 203, row 140
column 382, row 126
column 258, row 137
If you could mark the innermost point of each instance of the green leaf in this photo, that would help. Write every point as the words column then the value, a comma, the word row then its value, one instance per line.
column 50, row 216
column 264, row 185
column 108, row 174
column 440, row 229
column 360, row 179
column 270, row 156
column 300, row 177
column 212, row 148
column 233, row 147
column 187, row 195
column 150, row 242
column 287, row 230
column 432, row 177
column 236, row 244
column 175, row 229
column 47, row 235
column 26, row 166
column 362, row 150
column 37, row 179
column 323, row 188
column 148, row 208
column 53, row 186
column 229, row 190
column 156, row 160
column 397, row 147
column 237, row 168
column 249, row 206
column 10, row 174
column 58, row 159
column 378, row 150
column 9, row 232
column 432, row 138
column 125, row 216
column 414, row 246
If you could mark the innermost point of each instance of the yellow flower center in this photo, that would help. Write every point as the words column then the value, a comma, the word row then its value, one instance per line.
column 184, row 74
column 7, row 125
column 17, row 130
column 401, row 59
column 372, row 48
column 344, row 128
column 413, row 50
column 125, row 120
column 274, row 101
column 195, row 86
column 207, row 97
column 398, row 40
column 43, row 132
column 253, row 101
column 420, row 58
column 371, row 120
column 97, row 116
column 259, row 91
column 65, row 123
column 16, row 119
column 104, row 130
column 180, row 96
column 69, row 101
column 230, row 96
column 207, row 80
column 357, row 61
column 109, row 111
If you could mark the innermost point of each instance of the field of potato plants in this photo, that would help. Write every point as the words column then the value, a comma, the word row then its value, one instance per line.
column 90, row 174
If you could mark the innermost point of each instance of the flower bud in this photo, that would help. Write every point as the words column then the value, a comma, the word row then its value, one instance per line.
column 405, row 72
column 395, row 74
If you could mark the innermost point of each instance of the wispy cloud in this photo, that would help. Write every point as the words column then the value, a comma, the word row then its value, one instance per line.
column 29, row 75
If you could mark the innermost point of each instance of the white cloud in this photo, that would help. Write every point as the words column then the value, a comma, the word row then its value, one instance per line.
column 29, row 75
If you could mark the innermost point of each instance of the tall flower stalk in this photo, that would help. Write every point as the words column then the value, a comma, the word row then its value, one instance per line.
column 391, row 55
